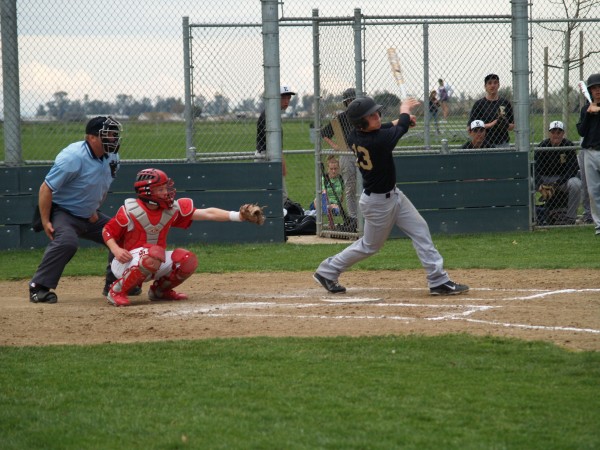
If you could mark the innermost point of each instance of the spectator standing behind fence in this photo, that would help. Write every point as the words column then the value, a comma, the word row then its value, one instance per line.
column 589, row 128
column 558, row 169
column 330, row 133
column 477, row 133
column 496, row 112
column 434, row 106
column 261, row 135
column 69, row 198
column 444, row 91
column 382, row 204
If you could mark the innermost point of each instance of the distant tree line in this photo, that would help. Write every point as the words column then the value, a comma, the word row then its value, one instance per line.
column 60, row 107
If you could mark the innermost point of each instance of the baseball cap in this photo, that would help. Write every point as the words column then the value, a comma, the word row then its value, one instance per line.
column 286, row 90
column 556, row 124
column 491, row 76
column 477, row 124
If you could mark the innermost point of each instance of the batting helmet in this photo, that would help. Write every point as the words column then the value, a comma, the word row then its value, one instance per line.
column 108, row 130
column 593, row 80
column 361, row 108
column 348, row 95
column 147, row 180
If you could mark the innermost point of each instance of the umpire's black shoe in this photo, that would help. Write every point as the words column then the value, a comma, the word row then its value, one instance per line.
column 449, row 288
column 332, row 286
column 41, row 294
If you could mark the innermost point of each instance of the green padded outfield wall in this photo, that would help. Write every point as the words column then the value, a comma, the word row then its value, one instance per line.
column 473, row 192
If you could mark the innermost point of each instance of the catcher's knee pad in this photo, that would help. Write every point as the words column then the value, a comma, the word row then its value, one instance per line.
column 184, row 261
column 152, row 258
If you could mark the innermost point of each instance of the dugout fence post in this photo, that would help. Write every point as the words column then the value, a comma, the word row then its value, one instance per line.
column 10, row 84
column 520, row 52
column 317, row 119
column 359, row 60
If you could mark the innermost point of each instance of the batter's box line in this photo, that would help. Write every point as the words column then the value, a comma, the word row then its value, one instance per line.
column 529, row 327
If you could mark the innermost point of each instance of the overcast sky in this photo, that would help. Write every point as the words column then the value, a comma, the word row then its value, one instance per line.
column 102, row 49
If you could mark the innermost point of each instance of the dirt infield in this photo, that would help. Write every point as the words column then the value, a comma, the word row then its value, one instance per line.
column 560, row 306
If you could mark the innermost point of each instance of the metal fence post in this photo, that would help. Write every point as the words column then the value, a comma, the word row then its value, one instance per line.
column 10, row 85
column 358, row 64
column 270, row 28
column 189, row 105
column 317, row 118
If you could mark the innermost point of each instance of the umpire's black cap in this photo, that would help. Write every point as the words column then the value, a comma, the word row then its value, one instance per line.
column 96, row 124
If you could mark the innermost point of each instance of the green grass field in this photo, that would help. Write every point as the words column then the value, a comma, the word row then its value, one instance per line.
column 451, row 392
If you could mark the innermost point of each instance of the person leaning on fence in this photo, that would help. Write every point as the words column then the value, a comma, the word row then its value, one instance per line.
column 477, row 132
column 347, row 162
column 261, row 133
column 589, row 128
column 496, row 112
column 556, row 171
column 68, row 203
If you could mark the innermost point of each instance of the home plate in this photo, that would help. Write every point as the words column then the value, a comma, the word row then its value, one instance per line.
column 352, row 300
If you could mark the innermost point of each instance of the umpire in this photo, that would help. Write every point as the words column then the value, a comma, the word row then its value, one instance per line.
column 69, row 199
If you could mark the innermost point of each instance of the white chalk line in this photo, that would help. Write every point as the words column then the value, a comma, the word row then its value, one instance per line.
column 534, row 327
column 219, row 310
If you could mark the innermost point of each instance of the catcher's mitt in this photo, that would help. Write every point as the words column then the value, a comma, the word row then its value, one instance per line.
column 252, row 213
column 546, row 191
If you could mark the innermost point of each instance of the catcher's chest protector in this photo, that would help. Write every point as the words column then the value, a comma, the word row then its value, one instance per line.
column 135, row 211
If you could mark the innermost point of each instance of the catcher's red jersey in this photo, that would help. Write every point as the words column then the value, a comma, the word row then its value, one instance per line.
column 135, row 224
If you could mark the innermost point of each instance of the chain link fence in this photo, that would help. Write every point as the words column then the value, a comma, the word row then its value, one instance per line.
column 131, row 63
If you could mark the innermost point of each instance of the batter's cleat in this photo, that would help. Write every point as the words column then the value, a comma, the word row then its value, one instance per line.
column 169, row 295
column 449, row 288
column 332, row 286
column 136, row 290
column 41, row 294
column 117, row 298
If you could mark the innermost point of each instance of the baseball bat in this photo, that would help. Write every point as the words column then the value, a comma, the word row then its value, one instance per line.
column 584, row 90
column 397, row 71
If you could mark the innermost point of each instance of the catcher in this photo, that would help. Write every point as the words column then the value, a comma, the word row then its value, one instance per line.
column 137, row 236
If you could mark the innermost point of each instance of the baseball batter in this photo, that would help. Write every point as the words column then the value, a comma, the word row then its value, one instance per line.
column 382, row 204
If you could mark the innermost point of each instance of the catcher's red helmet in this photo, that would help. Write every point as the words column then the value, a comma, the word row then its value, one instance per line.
column 148, row 179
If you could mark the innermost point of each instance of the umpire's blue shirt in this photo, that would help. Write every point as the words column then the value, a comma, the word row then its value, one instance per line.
column 79, row 180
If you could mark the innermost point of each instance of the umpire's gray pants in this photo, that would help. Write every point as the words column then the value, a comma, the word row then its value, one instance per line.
column 381, row 213
column 67, row 231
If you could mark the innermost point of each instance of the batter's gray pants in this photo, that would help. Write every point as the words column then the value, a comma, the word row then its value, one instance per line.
column 381, row 212
column 592, row 178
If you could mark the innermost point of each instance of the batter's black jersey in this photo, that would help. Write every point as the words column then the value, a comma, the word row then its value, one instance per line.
column 588, row 128
column 490, row 110
column 373, row 152
column 556, row 162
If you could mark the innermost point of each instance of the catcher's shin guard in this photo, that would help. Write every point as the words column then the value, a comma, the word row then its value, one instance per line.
column 184, row 265
column 132, row 278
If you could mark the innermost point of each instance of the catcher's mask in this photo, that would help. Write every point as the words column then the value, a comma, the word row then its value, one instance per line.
column 109, row 132
column 146, row 182
column 361, row 108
